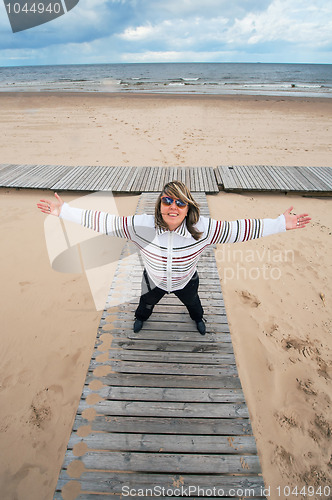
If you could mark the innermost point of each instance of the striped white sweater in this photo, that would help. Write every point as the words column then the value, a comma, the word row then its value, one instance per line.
column 170, row 257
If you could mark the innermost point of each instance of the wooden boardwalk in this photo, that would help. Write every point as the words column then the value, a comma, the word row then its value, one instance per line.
column 162, row 408
column 304, row 180
column 98, row 178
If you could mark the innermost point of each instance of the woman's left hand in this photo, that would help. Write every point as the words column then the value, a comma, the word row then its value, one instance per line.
column 296, row 221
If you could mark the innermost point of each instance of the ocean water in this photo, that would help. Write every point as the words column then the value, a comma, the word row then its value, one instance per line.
column 303, row 80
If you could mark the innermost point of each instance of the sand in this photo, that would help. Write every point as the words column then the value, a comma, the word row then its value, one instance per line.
column 277, row 290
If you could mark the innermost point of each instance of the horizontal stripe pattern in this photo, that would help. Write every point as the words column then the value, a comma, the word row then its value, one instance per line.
column 170, row 258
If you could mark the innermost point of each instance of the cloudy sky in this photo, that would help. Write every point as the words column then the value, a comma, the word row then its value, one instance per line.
column 115, row 31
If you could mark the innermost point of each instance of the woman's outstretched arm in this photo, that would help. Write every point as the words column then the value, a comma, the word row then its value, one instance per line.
column 102, row 222
column 51, row 207
column 295, row 221
column 249, row 229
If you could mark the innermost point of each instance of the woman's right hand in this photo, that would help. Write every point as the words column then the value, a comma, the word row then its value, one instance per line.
column 51, row 207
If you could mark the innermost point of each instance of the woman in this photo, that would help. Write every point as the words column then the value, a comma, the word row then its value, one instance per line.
column 172, row 241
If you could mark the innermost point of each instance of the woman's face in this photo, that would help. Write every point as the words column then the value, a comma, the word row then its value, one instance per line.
column 172, row 214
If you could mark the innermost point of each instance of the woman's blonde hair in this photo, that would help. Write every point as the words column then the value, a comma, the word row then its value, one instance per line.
column 176, row 189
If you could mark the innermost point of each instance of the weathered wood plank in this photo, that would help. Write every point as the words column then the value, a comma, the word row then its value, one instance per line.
column 233, row 445
column 167, row 409
column 100, row 481
column 229, row 178
column 184, row 357
column 166, row 462
column 165, row 346
column 162, row 380
column 167, row 368
column 166, row 425
column 167, row 394
column 158, row 335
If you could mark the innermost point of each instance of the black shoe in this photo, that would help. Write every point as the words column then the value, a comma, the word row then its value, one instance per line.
column 138, row 325
column 201, row 327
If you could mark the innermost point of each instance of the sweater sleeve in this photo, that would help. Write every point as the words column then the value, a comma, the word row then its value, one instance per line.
column 102, row 222
column 245, row 229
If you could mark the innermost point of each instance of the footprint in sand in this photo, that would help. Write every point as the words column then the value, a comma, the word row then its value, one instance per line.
column 248, row 298
column 283, row 460
column 303, row 347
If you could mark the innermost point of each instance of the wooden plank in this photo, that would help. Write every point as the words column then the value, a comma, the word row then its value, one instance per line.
column 139, row 171
column 99, row 481
column 166, row 462
column 230, row 179
column 161, row 179
column 168, row 317
column 152, row 180
column 167, row 394
column 142, row 183
column 211, row 179
column 200, row 178
column 166, row 425
column 149, row 179
column 132, row 180
column 125, row 379
column 165, row 346
column 147, row 334
column 169, row 368
column 116, row 170
column 165, row 357
column 173, row 444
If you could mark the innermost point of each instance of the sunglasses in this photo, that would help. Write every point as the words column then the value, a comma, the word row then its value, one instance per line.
column 167, row 201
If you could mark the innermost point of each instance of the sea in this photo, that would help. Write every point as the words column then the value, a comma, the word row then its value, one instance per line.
column 302, row 80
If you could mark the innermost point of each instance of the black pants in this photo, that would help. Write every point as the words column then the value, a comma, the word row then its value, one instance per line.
column 151, row 295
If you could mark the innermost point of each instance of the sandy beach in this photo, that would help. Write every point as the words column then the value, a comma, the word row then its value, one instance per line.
column 277, row 290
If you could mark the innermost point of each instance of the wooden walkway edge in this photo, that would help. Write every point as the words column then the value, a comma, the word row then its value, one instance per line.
column 131, row 179
column 162, row 408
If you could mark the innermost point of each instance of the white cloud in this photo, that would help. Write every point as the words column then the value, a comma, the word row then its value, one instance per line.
column 176, row 56
column 292, row 21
